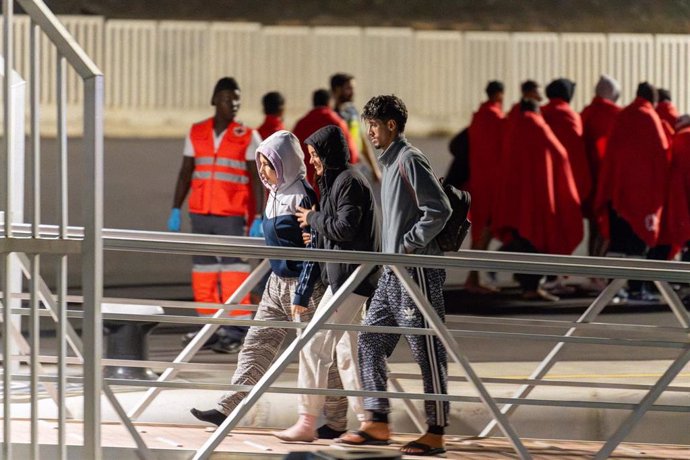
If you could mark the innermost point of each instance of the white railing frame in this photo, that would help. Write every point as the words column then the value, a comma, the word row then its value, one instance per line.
column 658, row 271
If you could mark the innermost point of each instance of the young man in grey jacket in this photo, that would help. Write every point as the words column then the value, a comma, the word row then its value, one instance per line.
column 414, row 209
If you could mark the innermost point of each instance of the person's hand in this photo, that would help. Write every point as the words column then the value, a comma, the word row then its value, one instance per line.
column 257, row 228
column 174, row 220
column 297, row 311
column 306, row 238
column 302, row 215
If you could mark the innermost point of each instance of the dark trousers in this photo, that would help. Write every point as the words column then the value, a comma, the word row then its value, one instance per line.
column 624, row 240
column 527, row 281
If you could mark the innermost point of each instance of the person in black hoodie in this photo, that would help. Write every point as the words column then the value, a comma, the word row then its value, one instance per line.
column 347, row 220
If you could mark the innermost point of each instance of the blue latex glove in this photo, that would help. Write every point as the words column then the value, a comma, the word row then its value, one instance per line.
column 174, row 220
column 257, row 228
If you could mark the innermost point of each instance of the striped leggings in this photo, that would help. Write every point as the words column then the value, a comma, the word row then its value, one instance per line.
column 262, row 345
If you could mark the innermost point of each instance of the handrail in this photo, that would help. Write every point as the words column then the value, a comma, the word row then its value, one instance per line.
column 545, row 264
column 459, row 333
column 66, row 45
column 116, row 239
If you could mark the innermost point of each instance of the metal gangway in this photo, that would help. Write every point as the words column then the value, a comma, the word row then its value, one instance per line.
column 26, row 246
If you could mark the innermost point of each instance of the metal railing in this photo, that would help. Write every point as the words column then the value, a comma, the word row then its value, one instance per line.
column 582, row 331
column 67, row 52
column 28, row 245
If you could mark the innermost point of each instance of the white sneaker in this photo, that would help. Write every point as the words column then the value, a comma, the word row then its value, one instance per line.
column 556, row 287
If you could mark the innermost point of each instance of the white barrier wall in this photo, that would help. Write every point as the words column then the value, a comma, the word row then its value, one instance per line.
column 582, row 58
column 159, row 74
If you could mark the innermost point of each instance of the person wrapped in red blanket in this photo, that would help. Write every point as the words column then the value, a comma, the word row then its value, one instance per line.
column 537, row 206
column 633, row 178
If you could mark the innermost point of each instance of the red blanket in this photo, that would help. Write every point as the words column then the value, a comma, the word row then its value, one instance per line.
column 597, row 122
column 537, row 195
column 634, row 171
column 567, row 126
column 485, row 150
column 667, row 112
column 675, row 222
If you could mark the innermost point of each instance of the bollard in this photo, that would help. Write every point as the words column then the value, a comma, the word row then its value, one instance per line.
column 129, row 340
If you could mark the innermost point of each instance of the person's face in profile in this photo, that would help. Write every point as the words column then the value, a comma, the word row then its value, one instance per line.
column 267, row 171
column 315, row 161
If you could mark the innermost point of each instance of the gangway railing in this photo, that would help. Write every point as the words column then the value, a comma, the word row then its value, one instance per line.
column 27, row 245
column 619, row 269
column 90, row 248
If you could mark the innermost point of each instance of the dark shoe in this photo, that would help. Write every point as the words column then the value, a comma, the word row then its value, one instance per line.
column 326, row 432
column 421, row 449
column 366, row 440
column 644, row 296
column 210, row 416
column 227, row 346
column 186, row 338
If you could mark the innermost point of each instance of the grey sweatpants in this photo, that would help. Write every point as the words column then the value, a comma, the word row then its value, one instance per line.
column 392, row 306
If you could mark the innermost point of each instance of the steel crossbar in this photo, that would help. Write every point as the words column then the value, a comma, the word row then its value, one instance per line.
column 597, row 306
column 318, row 320
column 200, row 338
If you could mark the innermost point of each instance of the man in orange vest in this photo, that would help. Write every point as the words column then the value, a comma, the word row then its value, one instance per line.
column 219, row 166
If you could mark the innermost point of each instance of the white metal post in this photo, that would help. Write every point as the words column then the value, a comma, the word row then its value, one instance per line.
column 92, row 264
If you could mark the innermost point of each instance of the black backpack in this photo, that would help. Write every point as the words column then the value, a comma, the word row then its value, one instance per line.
column 454, row 232
column 459, row 170
column 458, row 225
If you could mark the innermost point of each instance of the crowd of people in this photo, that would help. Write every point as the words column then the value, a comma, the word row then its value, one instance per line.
column 536, row 172
column 323, row 203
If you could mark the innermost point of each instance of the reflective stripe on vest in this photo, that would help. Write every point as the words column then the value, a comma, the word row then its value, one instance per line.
column 231, row 163
column 220, row 181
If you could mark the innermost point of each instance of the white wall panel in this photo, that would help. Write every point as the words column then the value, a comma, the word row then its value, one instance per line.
column 437, row 77
column 169, row 67
column 630, row 61
column 184, row 79
column 388, row 62
column 533, row 56
column 582, row 58
column 672, row 53
column 486, row 58
column 232, row 52
column 130, row 64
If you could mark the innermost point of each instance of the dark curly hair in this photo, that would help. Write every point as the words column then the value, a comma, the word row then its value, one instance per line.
column 384, row 108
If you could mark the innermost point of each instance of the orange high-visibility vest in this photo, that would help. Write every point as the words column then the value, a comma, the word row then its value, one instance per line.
column 220, row 182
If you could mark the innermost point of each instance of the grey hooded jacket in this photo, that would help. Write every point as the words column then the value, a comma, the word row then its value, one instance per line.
column 414, row 206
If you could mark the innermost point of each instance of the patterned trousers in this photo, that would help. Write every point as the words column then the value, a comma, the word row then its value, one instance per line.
column 392, row 306
column 262, row 345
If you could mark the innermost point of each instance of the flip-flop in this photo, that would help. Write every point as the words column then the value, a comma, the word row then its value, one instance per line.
column 368, row 440
column 425, row 450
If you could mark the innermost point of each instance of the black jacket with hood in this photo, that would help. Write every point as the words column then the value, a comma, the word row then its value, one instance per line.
column 347, row 218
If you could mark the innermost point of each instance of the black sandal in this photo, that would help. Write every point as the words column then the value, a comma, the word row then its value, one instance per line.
column 425, row 450
column 368, row 440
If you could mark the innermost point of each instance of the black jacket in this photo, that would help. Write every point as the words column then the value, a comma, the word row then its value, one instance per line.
column 347, row 218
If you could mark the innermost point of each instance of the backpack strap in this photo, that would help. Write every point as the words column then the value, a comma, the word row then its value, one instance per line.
column 406, row 180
